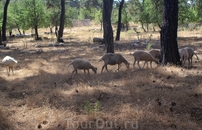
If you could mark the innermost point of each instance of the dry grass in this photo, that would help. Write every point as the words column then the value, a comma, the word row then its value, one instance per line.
column 42, row 94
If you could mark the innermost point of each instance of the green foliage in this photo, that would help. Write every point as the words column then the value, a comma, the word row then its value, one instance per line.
column 87, row 13
column 148, row 47
column 71, row 13
column 34, row 12
column 98, row 16
column 1, row 14
column 52, row 17
column 126, row 18
column 87, row 107
column 146, row 12
column 26, row 14
column 53, row 14
column 95, row 107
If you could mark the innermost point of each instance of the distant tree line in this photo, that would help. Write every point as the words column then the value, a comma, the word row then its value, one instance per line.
column 33, row 14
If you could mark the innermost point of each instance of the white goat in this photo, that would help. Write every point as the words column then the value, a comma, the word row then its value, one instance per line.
column 9, row 63
column 140, row 55
column 82, row 64
column 187, row 53
column 113, row 59
column 156, row 53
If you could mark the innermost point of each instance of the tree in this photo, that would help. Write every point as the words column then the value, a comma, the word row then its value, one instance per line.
column 125, row 17
column 98, row 18
column 53, row 15
column 108, row 32
column 34, row 14
column 62, row 20
column 11, row 18
column 169, row 46
column 119, row 21
column 1, row 15
column 0, row 37
column 145, row 12
column 4, row 22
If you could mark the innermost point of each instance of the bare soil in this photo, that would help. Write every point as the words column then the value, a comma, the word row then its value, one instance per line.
column 43, row 95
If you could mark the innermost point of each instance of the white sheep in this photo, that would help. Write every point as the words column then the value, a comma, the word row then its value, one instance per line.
column 82, row 64
column 9, row 63
column 156, row 53
column 113, row 59
column 141, row 55
column 187, row 53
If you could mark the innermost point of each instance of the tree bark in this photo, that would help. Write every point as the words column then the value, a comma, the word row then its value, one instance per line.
column 19, row 30
column 142, row 25
column 108, row 31
column 4, row 21
column 101, row 26
column 169, row 45
column 62, row 20
column 36, row 32
column 0, row 38
column 56, row 31
column 119, row 21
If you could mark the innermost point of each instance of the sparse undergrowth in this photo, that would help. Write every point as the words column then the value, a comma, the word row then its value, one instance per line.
column 43, row 95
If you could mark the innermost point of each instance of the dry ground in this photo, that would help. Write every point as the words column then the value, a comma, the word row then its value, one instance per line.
column 42, row 95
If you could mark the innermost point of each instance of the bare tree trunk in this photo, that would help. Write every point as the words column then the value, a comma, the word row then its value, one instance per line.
column 18, row 29
column 119, row 21
column 108, row 31
column 36, row 32
column 101, row 26
column 62, row 20
column 169, row 46
column 4, row 21
column 56, row 31
column 127, row 26
column 142, row 25
column 51, row 29
column 0, row 37
column 10, row 33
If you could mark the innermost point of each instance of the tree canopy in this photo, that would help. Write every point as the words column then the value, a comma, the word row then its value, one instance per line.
column 25, row 14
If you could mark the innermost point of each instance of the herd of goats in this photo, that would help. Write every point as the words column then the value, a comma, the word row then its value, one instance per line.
column 153, row 55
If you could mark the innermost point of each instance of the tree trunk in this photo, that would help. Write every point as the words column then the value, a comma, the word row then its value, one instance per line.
column 51, row 29
column 119, row 21
column 4, row 21
column 56, row 31
column 0, row 37
column 127, row 26
column 36, row 32
column 169, row 46
column 19, row 30
column 101, row 26
column 142, row 24
column 108, row 31
column 10, row 33
column 62, row 20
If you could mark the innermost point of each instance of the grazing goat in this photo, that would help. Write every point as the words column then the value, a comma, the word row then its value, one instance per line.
column 98, row 40
column 82, row 64
column 9, row 63
column 113, row 59
column 156, row 53
column 187, row 53
column 143, row 56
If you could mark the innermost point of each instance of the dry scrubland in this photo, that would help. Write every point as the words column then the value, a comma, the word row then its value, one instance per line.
column 42, row 94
